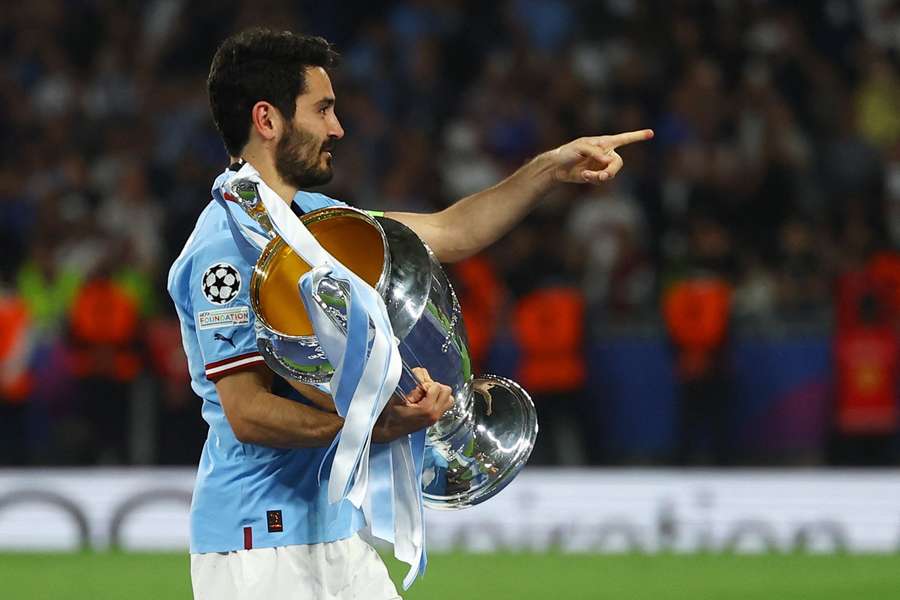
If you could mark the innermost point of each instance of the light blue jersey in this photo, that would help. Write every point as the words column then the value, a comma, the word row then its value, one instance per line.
column 246, row 496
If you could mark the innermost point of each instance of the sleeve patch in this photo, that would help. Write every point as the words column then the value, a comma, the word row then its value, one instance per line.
column 221, row 283
column 223, row 317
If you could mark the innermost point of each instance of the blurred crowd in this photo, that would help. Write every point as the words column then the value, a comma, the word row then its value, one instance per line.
column 769, row 199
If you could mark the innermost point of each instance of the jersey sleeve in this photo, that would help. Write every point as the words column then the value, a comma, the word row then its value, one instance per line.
column 220, row 302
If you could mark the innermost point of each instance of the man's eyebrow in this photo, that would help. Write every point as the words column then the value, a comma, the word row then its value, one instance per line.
column 325, row 102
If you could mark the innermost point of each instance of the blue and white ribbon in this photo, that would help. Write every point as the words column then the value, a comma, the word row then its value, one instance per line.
column 383, row 480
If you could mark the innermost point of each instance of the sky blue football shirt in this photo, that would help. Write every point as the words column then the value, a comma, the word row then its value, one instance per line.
column 245, row 496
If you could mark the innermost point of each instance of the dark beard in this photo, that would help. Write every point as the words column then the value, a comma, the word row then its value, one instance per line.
column 297, row 158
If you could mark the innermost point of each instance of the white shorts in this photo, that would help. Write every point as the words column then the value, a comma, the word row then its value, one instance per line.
column 342, row 570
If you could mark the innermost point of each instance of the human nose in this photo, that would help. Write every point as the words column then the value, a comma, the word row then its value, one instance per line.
column 335, row 130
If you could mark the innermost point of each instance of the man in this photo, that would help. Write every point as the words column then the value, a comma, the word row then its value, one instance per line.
column 261, row 525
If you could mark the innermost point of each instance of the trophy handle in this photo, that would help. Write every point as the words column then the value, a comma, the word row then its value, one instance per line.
column 479, row 446
column 331, row 295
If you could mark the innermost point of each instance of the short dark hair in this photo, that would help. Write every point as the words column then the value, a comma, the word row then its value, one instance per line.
column 260, row 64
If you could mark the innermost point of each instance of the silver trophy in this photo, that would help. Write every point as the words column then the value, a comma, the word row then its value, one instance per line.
column 483, row 441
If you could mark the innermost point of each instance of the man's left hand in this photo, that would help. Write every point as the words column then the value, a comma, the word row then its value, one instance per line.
column 593, row 159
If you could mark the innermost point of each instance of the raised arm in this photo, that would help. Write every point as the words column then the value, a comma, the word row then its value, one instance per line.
column 477, row 221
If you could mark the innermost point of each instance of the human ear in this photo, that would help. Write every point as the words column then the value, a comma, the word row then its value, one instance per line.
column 266, row 120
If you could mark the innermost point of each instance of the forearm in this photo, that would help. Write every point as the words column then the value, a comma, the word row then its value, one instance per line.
column 258, row 416
column 313, row 394
column 269, row 420
column 479, row 220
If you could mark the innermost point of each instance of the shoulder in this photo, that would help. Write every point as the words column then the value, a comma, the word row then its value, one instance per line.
column 309, row 201
column 210, row 242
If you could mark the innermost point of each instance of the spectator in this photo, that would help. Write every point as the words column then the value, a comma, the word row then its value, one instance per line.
column 16, row 378
column 697, row 309
column 867, row 365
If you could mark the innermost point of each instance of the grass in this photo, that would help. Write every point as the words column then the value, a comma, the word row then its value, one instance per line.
column 134, row 576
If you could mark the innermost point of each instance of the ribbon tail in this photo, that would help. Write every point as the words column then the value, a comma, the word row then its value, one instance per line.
column 379, row 508
column 409, row 527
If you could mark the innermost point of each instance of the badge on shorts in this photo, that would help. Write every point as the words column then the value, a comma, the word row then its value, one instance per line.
column 273, row 519
column 221, row 283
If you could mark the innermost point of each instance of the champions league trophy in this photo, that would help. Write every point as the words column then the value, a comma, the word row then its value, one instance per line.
column 480, row 444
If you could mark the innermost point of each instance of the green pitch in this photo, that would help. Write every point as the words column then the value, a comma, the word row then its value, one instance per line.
column 495, row 577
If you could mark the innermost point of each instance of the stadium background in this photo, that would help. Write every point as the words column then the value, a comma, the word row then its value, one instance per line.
column 730, row 301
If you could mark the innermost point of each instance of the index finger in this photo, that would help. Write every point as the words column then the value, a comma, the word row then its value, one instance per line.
column 421, row 374
column 629, row 137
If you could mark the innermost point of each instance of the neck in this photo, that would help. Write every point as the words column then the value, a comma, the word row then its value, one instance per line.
column 265, row 166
